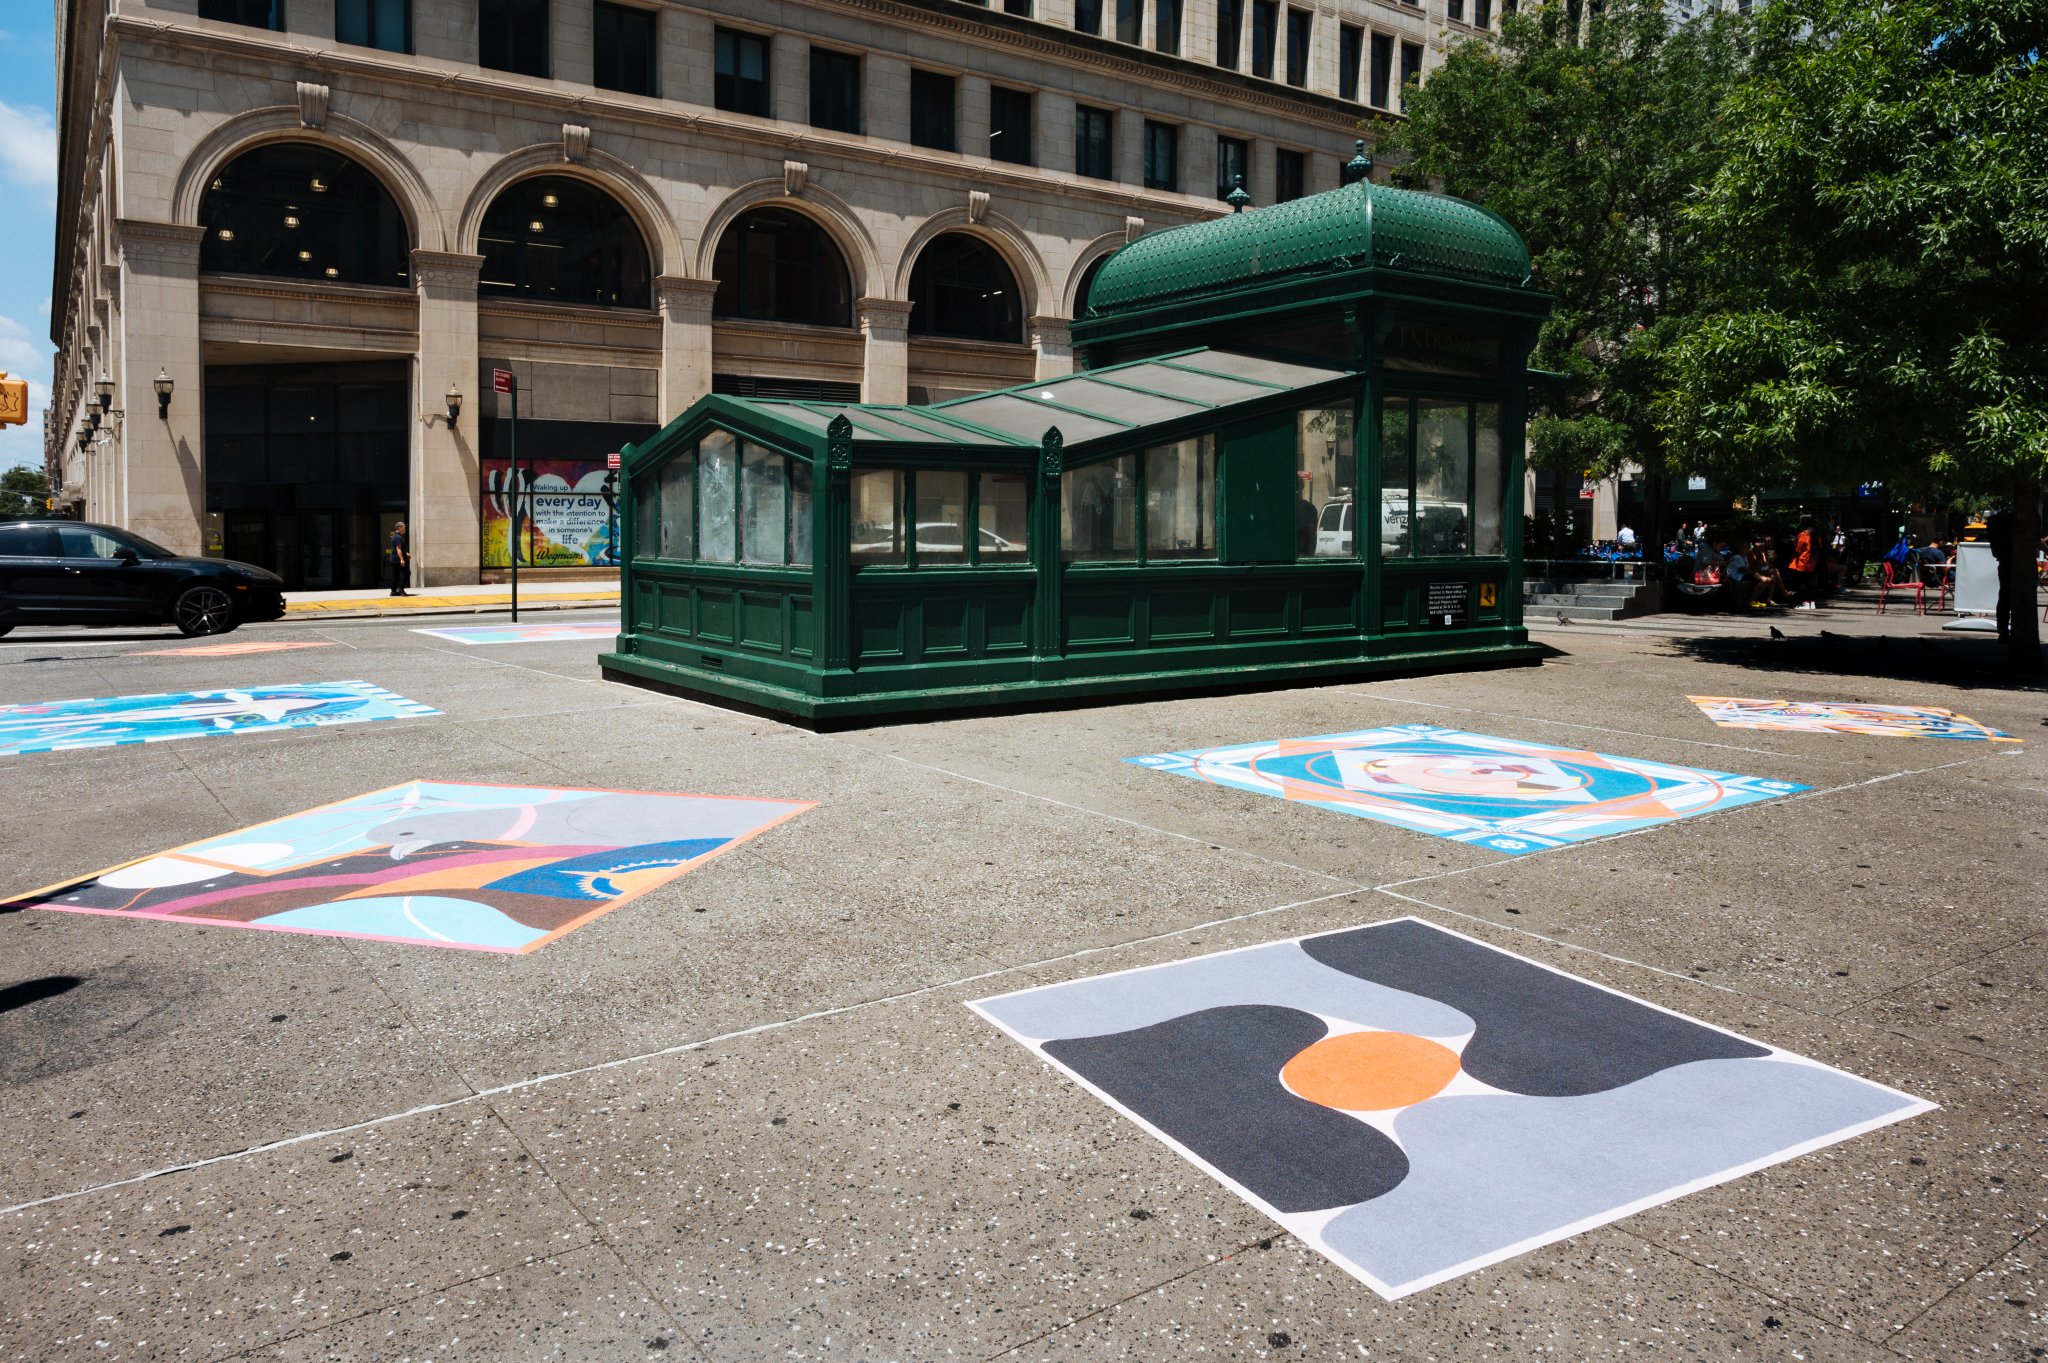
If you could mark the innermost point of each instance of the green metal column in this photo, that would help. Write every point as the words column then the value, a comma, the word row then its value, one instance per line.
column 1049, row 638
column 832, row 550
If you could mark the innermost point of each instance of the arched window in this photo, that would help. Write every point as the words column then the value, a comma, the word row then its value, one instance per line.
column 558, row 240
column 1087, row 283
column 304, row 212
column 961, row 287
column 777, row 266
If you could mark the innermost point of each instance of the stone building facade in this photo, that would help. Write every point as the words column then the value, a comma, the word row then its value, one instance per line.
column 567, row 220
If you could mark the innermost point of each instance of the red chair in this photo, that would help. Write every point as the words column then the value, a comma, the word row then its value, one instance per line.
column 1889, row 583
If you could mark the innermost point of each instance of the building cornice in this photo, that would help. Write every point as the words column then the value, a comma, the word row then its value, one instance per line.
column 1206, row 84
column 268, row 286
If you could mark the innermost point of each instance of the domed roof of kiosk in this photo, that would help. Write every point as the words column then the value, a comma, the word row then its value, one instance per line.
column 1360, row 226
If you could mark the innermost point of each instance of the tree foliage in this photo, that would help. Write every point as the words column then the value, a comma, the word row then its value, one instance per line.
column 1879, row 228
column 1590, row 134
column 23, row 491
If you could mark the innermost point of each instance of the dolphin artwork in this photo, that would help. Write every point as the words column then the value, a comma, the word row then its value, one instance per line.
column 50, row 726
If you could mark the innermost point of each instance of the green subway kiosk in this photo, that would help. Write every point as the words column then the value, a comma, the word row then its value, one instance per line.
column 1293, row 451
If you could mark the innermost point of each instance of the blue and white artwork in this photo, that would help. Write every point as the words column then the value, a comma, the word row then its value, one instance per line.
column 109, row 721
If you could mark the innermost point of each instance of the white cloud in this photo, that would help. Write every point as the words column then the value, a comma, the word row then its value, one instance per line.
column 28, row 146
column 22, row 354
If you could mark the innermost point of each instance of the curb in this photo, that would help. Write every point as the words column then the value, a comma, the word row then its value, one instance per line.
column 308, row 614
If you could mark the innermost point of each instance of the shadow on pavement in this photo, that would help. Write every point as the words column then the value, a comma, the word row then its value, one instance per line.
column 22, row 995
column 1967, row 661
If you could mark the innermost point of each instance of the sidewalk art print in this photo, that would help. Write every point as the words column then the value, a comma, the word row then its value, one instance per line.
column 1417, row 1105
column 112, row 721
column 488, row 868
column 571, row 503
column 1500, row 793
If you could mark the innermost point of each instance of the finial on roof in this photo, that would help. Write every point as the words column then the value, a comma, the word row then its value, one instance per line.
column 1359, row 167
column 1238, row 200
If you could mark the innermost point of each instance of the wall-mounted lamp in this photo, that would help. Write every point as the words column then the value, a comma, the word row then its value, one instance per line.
column 92, row 417
column 164, row 385
column 454, row 401
column 84, row 439
column 104, row 390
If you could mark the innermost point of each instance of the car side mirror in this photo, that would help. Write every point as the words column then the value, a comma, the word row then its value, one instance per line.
column 127, row 555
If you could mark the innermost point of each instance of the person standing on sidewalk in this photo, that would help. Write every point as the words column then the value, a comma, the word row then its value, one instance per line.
column 1803, row 569
column 400, row 558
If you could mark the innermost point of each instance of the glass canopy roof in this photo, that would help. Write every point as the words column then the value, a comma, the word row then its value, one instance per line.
column 1085, row 406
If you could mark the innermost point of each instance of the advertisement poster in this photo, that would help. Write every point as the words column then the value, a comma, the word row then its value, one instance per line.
column 562, row 509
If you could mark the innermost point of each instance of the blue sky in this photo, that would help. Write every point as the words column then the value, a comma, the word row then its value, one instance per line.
column 28, row 187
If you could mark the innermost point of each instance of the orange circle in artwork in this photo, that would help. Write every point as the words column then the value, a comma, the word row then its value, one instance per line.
column 1370, row 1071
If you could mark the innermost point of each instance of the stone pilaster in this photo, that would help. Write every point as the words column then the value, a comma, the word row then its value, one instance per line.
column 685, row 341
column 153, row 480
column 885, row 373
column 445, row 517
column 1052, row 347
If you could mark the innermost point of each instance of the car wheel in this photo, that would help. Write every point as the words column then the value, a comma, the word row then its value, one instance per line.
column 203, row 610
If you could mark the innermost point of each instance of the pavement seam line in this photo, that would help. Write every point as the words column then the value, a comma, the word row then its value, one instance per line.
column 680, row 1048
column 1557, row 941
column 1188, row 1272
column 2022, row 940
column 1966, row 1280
column 1356, row 885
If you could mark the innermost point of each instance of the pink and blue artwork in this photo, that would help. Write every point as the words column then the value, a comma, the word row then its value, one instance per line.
column 478, row 867
column 539, row 632
column 1416, row 1105
column 111, row 721
column 1499, row 793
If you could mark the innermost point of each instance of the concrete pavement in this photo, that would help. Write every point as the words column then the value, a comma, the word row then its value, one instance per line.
column 747, row 1116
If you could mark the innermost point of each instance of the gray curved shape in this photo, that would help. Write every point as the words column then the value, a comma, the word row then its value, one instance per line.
column 1489, row 1172
column 1540, row 1033
column 1281, row 975
column 600, row 818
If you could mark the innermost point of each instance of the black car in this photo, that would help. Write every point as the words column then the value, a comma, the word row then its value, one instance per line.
column 68, row 573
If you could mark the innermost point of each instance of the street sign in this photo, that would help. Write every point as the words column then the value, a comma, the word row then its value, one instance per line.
column 501, row 380
column 611, row 461
column 13, row 401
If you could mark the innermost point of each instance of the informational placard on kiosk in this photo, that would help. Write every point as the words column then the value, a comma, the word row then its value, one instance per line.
column 1445, row 602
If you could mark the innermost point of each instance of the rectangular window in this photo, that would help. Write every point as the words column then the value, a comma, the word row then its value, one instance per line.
column 1088, row 17
column 385, row 24
column 1290, row 172
column 1094, row 151
column 764, row 507
column 741, row 84
column 717, row 503
column 1162, row 156
column 1265, row 33
column 1482, row 13
column 835, row 90
column 1326, row 467
column 255, row 13
column 1299, row 24
column 1443, row 478
column 877, row 500
column 1457, row 11
column 1229, row 32
column 1020, row 8
column 1129, row 20
column 1350, row 52
column 1489, row 481
column 1180, row 499
column 1166, row 25
column 1233, row 165
column 1397, row 478
column 1099, row 512
column 667, row 523
column 799, row 513
column 512, row 35
column 1381, row 87
column 1004, row 518
column 622, row 48
column 941, row 517
column 932, row 102
column 1411, row 69
column 1009, row 125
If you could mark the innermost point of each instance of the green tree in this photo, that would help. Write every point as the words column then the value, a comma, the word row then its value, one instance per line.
column 23, row 491
column 1880, row 221
column 1590, row 134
